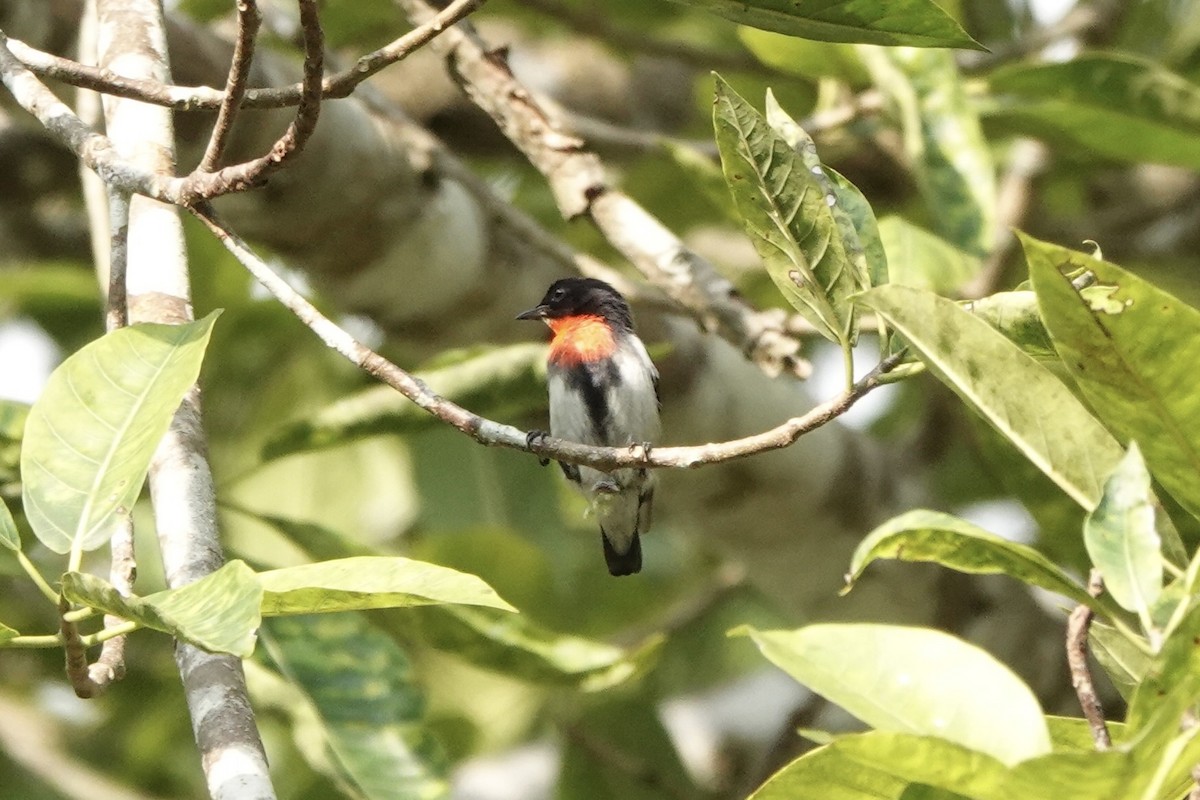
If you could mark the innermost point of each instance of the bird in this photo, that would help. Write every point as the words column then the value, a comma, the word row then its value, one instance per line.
column 603, row 391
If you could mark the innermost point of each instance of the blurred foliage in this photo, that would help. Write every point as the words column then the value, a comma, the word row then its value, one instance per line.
column 314, row 463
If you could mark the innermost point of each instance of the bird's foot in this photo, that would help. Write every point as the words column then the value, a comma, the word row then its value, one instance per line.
column 641, row 451
column 537, row 437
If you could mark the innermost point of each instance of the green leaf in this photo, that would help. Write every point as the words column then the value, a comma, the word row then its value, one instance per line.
column 219, row 612
column 919, row 23
column 805, row 58
column 786, row 213
column 1019, row 397
column 1015, row 314
column 923, row 260
column 501, row 382
column 1116, row 106
column 1132, row 349
column 364, row 582
column 855, row 205
column 1169, row 688
column 90, row 436
column 846, row 226
column 8, row 529
column 921, row 535
column 878, row 764
column 369, row 708
column 943, row 140
column 7, row 633
column 1074, row 734
column 914, row 680
column 1121, row 539
column 705, row 176
column 12, row 428
column 1123, row 662
column 513, row 646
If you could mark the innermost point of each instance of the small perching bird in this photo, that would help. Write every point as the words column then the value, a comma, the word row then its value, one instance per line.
column 603, row 391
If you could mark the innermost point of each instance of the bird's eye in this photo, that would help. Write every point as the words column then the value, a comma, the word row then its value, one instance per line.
column 558, row 294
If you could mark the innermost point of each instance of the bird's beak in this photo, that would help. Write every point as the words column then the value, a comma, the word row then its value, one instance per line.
column 534, row 313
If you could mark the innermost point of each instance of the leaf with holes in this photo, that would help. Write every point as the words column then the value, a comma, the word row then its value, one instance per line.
column 90, row 436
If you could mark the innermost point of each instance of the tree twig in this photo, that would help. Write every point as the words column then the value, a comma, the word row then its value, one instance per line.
column 1078, row 624
column 249, row 21
column 184, row 98
column 203, row 184
column 496, row 434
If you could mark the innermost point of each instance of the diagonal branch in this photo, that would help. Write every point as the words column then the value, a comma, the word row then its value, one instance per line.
column 576, row 178
column 496, row 434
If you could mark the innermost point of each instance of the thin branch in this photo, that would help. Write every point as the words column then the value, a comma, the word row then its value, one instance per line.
column 249, row 21
column 185, row 98
column 1078, row 624
column 203, row 184
column 496, row 434
column 576, row 178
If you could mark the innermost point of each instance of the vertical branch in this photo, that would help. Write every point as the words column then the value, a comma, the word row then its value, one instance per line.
column 131, row 33
column 1078, row 625
column 249, row 20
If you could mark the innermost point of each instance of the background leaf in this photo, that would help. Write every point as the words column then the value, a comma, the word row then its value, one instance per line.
column 499, row 382
column 369, row 710
column 364, row 582
column 1121, row 539
column 1018, row 396
column 880, row 674
column 950, row 158
column 924, row 260
column 920, row 23
column 219, row 612
column 1112, row 105
column 90, row 436
column 1131, row 348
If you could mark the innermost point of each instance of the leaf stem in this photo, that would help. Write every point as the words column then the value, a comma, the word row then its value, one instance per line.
column 79, row 614
column 46, row 640
column 848, row 363
column 32, row 571
column 109, row 633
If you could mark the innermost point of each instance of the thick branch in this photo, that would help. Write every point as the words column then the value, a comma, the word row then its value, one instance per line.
column 576, row 177
column 496, row 434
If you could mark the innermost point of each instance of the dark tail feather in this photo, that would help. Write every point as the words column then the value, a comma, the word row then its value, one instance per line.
column 626, row 563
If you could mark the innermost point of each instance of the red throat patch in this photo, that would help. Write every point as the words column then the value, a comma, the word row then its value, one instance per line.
column 579, row 339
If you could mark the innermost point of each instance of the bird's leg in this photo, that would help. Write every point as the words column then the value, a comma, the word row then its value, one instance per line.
column 537, row 437
column 640, row 450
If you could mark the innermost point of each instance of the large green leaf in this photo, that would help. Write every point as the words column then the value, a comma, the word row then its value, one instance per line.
column 914, row 680
column 854, row 203
column 369, row 709
column 1117, row 106
column 1121, row 539
column 787, row 214
column 805, row 58
column 219, row 612
column 90, row 436
column 948, row 154
column 1015, row 314
column 919, row 23
column 499, row 382
column 364, row 582
column 923, row 260
column 1019, row 397
column 1131, row 347
column 922, row 535
column 8, row 529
